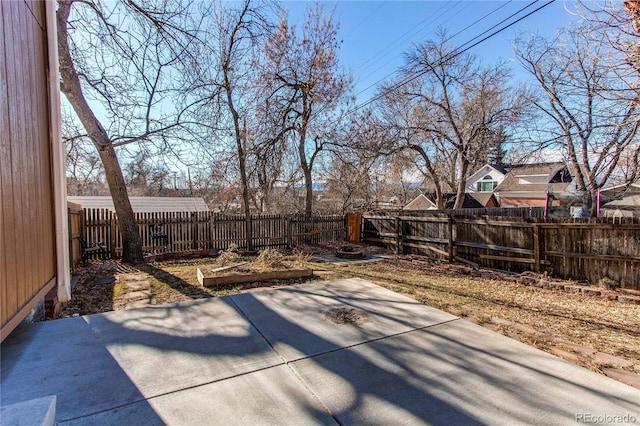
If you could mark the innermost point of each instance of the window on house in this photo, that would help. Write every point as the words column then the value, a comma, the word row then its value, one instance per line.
column 487, row 184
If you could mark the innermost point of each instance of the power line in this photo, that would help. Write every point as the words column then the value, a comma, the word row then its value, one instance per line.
column 454, row 35
column 373, row 12
column 408, row 34
column 446, row 58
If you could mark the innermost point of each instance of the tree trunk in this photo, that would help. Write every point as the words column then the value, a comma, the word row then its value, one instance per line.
column 462, row 183
column 131, row 242
column 432, row 173
column 71, row 87
column 306, row 169
column 240, row 135
column 308, row 183
column 246, row 199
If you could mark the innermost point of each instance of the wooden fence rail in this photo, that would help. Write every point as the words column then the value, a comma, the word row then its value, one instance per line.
column 186, row 231
column 581, row 249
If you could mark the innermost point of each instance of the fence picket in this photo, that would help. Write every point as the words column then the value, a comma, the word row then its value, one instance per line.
column 206, row 230
column 579, row 249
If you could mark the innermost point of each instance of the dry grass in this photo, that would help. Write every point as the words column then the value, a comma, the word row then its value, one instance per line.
column 271, row 259
column 542, row 318
column 228, row 256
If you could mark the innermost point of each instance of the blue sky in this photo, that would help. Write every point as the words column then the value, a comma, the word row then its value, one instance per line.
column 375, row 34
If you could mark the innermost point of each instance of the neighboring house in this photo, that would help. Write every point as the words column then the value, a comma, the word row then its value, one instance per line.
column 34, row 241
column 487, row 178
column 628, row 206
column 428, row 202
column 486, row 199
column 469, row 201
column 527, row 185
column 621, row 201
column 145, row 204
column 620, row 191
column 421, row 202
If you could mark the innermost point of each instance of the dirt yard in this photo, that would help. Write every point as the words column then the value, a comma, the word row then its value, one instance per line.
column 596, row 333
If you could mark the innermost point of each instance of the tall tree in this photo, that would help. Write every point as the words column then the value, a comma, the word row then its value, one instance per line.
column 459, row 102
column 589, row 107
column 304, row 65
column 118, row 66
column 224, row 73
column 405, row 129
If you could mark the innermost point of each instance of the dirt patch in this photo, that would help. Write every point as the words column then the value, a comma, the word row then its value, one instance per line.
column 346, row 316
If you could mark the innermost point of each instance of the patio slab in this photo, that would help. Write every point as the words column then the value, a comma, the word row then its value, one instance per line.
column 99, row 362
column 271, row 396
column 460, row 373
column 63, row 358
column 178, row 346
column 273, row 357
column 294, row 319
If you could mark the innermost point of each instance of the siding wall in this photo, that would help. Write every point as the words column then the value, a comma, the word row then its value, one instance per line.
column 27, row 230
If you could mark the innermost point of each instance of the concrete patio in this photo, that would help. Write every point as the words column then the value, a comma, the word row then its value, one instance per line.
column 275, row 357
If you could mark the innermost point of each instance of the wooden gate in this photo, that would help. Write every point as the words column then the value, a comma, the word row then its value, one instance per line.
column 353, row 227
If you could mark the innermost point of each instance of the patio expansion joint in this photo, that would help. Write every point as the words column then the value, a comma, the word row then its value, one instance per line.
column 315, row 396
column 377, row 339
column 289, row 364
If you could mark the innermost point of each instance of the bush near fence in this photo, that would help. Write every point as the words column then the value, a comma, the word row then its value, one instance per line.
column 186, row 231
column 579, row 249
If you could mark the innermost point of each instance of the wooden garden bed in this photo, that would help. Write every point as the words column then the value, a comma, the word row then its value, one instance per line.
column 250, row 277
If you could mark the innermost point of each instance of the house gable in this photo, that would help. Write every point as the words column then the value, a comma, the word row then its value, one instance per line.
column 421, row 202
column 486, row 179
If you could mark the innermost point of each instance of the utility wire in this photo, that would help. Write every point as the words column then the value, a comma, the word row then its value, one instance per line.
column 406, row 35
column 445, row 58
column 454, row 35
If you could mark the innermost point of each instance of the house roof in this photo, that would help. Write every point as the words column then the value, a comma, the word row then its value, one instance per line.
column 501, row 168
column 631, row 202
column 146, row 204
column 483, row 197
column 421, row 202
column 624, row 189
column 450, row 199
column 555, row 174
column 468, row 203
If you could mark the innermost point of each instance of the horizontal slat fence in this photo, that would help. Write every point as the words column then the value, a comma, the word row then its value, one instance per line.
column 580, row 249
column 186, row 231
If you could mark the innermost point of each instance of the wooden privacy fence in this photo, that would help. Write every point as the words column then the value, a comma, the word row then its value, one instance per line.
column 580, row 249
column 186, row 231
column 526, row 212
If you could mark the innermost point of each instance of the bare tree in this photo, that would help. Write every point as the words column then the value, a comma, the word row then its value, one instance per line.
column 458, row 102
column 589, row 107
column 224, row 74
column 123, row 57
column 618, row 25
column 403, row 130
column 305, row 66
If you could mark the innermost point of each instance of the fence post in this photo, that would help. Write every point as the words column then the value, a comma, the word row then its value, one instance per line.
column 536, row 247
column 194, row 230
column 450, row 242
column 398, row 225
column 287, row 224
column 112, row 234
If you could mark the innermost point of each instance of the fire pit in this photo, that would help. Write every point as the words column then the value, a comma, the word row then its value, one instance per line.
column 346, row 316
column 348, row 252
